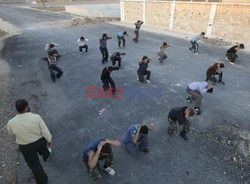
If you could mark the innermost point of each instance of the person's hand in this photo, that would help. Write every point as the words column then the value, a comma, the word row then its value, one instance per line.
column 99, row 147
column 48, row 143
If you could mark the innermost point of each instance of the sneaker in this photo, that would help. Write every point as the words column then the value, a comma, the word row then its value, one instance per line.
column 137, row 78
column 226, row 59
column 188, row 99
column 148, row 81
column 110, row 171
column 196, row 53
column 198, row 111
column 220, row 81
column 231, row 63
column 183, row 135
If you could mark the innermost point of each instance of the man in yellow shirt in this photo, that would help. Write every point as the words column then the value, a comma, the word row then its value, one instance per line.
column 33, row 137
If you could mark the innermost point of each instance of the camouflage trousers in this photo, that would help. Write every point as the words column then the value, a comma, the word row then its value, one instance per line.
column 173, row 126
column 232, row 57
column 95, row 173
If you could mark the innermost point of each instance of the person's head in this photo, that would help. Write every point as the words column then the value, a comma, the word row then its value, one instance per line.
column 138, row 21
column 82, row 38
column 190, row 112
column 125, row 33
column 203, row 33
column 165, row 44
column 145, row 59
column 22, row 106
column 210, row 89
column 242, row 46
column 106, row 149
column 109, row 69
column 51, row 45
column 104, row 36
column 144, row 130
column 222, row 65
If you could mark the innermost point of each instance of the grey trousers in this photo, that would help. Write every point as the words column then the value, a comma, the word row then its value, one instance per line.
column 196, row 96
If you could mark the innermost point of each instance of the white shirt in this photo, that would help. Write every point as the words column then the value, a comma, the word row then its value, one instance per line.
column 82, row 42
column 198, row 86
column 48, row 44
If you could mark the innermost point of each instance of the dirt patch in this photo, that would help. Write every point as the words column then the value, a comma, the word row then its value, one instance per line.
column 50, row 8
column 217, row 41
column 8, row 148
column 83, row 21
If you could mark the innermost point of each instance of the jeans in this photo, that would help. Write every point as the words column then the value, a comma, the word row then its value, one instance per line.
column 136, row 36
column 141, row 75
column 131, row 147
column 53, row 68
column 213, row 79
column 121, row 40
column 195, row 46
column 29, row 152
column 106, row 83
column 162, row 56
column 195, row 95
column 81, row 47
column 105, row 54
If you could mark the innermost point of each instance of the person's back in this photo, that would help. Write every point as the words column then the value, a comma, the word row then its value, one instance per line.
column 177, row 113
column 232, row 49
column 91, row 147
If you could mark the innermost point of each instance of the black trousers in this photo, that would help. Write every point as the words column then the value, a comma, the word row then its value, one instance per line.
column 107, row 83
column 213, row 79
column 29, row 153
column 53, row 68
column 114, row 61
column 105, row 54
column 140, row 75
column 81, row 47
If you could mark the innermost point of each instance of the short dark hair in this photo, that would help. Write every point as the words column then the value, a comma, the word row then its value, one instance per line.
column 144, row 129
column 110, row 68
column 21, row 104
column 125, row 33
column 191, row 111
column 210, row 90
column 51, row 45
column 222, row 65
column 106, row 148
column 242, row 46
column 202, row 33
column 104, row 35
column 144, row 57
column 165, row 43
column 82, row 38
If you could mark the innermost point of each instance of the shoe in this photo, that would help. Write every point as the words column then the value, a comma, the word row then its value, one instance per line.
column 196, row 53
column 231, row 63
column 137, row 78
column 189, row 50
column 148, row 81
column 110, row 171
column 183, row 135
column 220, row 81
column 226, row 59
column 198, row 111
column 86, row 52
column 188, row 99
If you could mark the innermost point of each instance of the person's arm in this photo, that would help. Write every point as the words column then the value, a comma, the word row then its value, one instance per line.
column 9, row 129
column 78, row 40
column 47, row 46
column 115, row 143
column 86, row 39
column 44, row 130
column 54, row 43
column 94, row 156
column 135, row 137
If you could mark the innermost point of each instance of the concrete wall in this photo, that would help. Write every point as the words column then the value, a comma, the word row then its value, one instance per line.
column 225, row 20
column 95, row 10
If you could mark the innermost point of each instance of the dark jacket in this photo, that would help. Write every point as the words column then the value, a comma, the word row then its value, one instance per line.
column 212, row 70
column 142, row 68
column 115, row 56
column 105, row 74
column 232, row 50
column 177, row 114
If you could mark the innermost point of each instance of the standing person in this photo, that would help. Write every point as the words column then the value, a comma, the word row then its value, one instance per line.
column 194, row 43
column 180, row 115
column 215, row 69
column 161, row 53
column 137, row 28
column 103, row 47
column 107, row 80
column 195, row 89
column 32, row 136
column 143, row 65
column 99, row 150
column 52, row 65
column 137, row 134
column 116, row 57
column 50, row 47
column 121, row 38
column 231, row 55
column 82, row 42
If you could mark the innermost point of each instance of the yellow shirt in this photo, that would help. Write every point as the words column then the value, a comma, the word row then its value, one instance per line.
column 28, row 128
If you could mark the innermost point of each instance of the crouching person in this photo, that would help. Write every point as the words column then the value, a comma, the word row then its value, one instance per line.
column 180, row 115
column 96, row 151
column 143, row 65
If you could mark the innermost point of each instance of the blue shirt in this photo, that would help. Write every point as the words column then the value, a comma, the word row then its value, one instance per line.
column 91, row 147
column 130, row 133
column 198, row 86
column 120, row 34
column 196, row 38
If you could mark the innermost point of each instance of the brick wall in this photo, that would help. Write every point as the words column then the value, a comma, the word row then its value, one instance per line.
column 228, row 21
column 157, row 14
column 191, row 17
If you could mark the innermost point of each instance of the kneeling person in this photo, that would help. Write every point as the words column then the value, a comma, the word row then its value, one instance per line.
column 180, row 115
column 52, row 67
column 99, row 150
column 213, row 70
